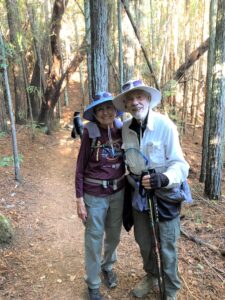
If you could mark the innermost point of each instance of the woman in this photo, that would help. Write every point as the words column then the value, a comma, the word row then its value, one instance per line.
column 100, row 190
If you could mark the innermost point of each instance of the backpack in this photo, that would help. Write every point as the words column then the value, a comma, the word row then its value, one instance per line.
column 78, row 126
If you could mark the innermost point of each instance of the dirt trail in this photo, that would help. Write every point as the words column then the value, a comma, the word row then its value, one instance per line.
column 46, row 260
column 48, row 244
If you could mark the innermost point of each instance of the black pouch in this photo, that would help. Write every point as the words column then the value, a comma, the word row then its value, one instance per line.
column 128, row 220
column 175, row 195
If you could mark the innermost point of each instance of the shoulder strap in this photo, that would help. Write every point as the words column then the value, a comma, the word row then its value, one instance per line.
column 94, row 143
column 94, row 134
column 93, row 130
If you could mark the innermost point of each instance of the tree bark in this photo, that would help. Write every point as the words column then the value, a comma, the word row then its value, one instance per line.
column 216, row 133
column 120, row 41
column 19, row 85
column 47, row 108
column 211, row 53
column 18, row 176
column 99, row 45
column 53, row 90
column 37, row 83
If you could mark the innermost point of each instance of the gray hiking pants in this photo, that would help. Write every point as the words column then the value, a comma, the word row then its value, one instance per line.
column 169, row 234
column 104, row 221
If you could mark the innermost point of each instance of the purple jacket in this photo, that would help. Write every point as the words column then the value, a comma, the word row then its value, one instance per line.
column 99, row 162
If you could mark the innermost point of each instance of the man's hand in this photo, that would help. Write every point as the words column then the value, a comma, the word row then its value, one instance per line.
column 155, row 181
column 81, row 209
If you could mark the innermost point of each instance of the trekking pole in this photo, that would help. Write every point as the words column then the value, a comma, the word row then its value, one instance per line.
column 154, row 219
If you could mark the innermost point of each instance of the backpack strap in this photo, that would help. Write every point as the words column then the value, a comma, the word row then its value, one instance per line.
column 94, row 134
column 93, row 130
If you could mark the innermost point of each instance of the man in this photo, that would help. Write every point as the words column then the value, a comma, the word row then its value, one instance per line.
column 150, row 141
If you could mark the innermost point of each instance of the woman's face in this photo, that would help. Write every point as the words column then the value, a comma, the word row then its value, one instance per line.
column 105, row 114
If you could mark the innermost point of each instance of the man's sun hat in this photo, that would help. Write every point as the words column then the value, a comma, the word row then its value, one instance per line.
column 133, row 85
column 99, row 98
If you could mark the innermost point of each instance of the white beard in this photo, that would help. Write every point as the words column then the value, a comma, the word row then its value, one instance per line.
column 140, row 115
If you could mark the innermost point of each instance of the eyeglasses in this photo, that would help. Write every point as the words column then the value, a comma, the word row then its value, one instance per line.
column 127, row 86
column 102, row 95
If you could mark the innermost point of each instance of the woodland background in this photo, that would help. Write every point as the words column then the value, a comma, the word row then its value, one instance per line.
column 54, row 55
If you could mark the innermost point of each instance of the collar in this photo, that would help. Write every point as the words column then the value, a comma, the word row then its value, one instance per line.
column 94, row 130
column 148, row 122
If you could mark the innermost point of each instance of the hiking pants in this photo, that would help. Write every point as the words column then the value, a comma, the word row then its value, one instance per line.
column 104, row 221
column 169, row 234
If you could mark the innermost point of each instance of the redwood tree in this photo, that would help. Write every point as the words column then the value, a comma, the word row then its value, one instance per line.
column 216, row 132
column 18, row 76
column 99, row 45
column 52, row 91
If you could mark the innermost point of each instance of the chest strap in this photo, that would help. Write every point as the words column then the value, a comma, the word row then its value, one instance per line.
column 105, row 183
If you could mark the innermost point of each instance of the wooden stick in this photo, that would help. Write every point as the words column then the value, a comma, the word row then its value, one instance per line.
column 213, row 268
column 201, row 242
column 208, row 202
column 187, row 287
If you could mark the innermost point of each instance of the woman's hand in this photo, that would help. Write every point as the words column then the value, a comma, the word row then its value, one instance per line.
column 81, row 209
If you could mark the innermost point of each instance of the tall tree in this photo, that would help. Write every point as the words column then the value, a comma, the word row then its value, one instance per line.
column 51, row 97
column 120, row 42
column 211, row 53
column 37, row 84
column 88, row 37
column 3, row 116
column 18, row 76
column 3, row 64
column 216, row 132
column 99, row 45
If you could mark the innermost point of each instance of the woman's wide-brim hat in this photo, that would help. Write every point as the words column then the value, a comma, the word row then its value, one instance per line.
column 100, row 98
column 133, row 85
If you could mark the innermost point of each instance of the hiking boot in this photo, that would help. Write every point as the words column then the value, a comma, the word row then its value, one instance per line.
column 94, row 294
column 110, row 278
column 147, row 284
column 171, row 298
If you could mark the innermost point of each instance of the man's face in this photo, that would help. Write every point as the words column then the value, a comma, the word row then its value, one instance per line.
column 137, row 104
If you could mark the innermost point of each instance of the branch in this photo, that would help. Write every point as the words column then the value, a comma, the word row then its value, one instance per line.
column 214, row 269
column 208, row 203
column 192, row 58
column 139, row 40
column 203, row 243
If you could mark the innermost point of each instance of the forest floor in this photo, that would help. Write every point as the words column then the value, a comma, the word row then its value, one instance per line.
column 45, row 258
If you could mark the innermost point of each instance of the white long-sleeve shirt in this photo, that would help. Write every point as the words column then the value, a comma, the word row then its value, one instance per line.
column 159, row 149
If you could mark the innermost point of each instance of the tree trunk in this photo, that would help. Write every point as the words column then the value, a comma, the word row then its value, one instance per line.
column 120, row 41
column 88, row 37
column 187, row 50
column 216, row 133
column 211, row 53
column 99, row 45
column 37, row 84
column 18, row 176
column 53, row 89
column 3, row 116
column 47, row 108
column 19, row 86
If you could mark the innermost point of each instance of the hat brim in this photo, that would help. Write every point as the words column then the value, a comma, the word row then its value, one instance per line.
column 89, row 110
column 119, row 101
